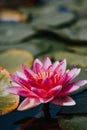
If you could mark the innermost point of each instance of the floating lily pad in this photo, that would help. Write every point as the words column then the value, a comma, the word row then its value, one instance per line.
column 14, row 32
column 35, row 11
column 78, row 49
column 12, row 59
column 77, row 32
column 67, row 3
column 74, row 123
column 54, row 19
column 79, row 6
column 51, row 15
column 72, row 59
column 35, row 46
column 8, row 102
column 56, row 47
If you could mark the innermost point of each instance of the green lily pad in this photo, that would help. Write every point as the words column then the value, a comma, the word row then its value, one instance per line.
column 55, row 47
column 35, row 46
column 78, row 49
column 79, row 6
column 12, row 59
column 74, row 123
column 72, row 59
column 14, row 32
column 77, row 32
column 54, row 19
column 8, row 102
column 51, row 15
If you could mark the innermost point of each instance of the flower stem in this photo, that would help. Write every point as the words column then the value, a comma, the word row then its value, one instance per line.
column 46, row 111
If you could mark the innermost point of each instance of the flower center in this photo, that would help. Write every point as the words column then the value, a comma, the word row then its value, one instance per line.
column 43, row 75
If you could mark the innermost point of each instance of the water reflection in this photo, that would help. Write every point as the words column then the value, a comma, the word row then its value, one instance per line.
column 40, row 124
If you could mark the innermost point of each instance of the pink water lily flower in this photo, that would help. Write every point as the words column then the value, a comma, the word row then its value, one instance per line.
column 47, row 82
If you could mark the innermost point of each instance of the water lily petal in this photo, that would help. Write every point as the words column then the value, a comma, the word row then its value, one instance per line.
column 20, row 74
column 71, row 74
column 63, row 101
column 61, row 80
column 18, row 90
column 46, row 99
column 28, row 72
column 14, row 89
column 70, row 89
column 81, row 83
column 60, row 69
column 20, row 80
column 46, row 63
column 40, row 92
column 29, row 103
column 47, row 84
column 37, row 66
column 73, row 87
column 55, row 91
column 54, row 66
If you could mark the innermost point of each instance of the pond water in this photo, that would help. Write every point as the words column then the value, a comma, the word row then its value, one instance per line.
column 30, row 119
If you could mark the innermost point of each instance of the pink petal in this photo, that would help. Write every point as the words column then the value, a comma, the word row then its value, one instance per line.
column 47, row 84
column 28, row 72
column 61, row 68
column 49, row 69
column 40, row 92
column 73, row 87
column 54, row 66
column 17, row 90
column 37, row 66
column 14, row 89
column 81, row 83
column 46, row 63
column 35, row 83
column 63, row 101
column 71, row 75
column 61, row 80
column 20, row 74
column 55, row 91
column 29, row 103
column 69, row 89
column 20, row 81
column 46, row 99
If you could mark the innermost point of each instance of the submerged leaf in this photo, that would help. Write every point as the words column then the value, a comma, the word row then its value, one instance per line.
column 14, row 32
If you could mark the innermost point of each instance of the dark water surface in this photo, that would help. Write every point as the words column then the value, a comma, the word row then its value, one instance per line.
column 30, row 119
